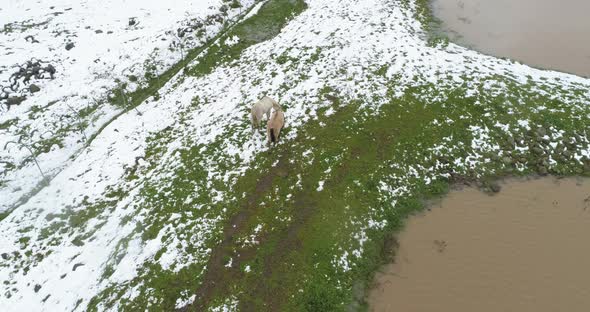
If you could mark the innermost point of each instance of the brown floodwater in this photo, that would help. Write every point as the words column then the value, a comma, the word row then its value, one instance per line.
column 552, row 34
column 526, row 248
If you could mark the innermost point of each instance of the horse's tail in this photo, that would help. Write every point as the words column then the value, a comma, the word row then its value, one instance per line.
column 272, row 135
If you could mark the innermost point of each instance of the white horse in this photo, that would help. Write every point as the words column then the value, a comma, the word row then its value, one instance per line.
column 260, row 108
column 275, row 124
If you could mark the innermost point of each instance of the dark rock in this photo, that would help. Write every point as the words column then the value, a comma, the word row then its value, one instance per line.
column 538, row 150
column 282, row 173
column 495, row 187
column 15, row 100
column 542, row 170
column 358, row 291
column 31, row 39
column 5, row 256
column 37, row 287
column 559, row 148
column 70, row 46
column 98, row 31
column 353, row 306
column 510, row 141
column 132, row 21
column 541, row 131
column 34, row 88
column 77, row 265
column 109, row 32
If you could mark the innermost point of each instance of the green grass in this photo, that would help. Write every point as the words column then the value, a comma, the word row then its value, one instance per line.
column 304, row 231
column 7, row 124
column 292, row 265
column 430, row 23
column 4, row 214
column 299, row 255
column 266, row 24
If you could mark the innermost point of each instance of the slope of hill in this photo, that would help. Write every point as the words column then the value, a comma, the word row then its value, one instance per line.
column 175, row 203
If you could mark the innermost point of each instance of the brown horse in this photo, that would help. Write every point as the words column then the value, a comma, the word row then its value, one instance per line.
column 275, row 124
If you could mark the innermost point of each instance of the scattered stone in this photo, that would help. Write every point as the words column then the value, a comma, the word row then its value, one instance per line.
column 34, row 88
column 507, row 160
column 70, row 46
column 511, row 142
column 31, row 39
column 541, row 131
column 282, row 173
column 441, row 245
column 566, row 154
column 358, row 291
column 37, row 287
column 538, row 150
column 542, row 170
column 15, row 100
column 559, row 148
column 444, row 160
column 495, row 187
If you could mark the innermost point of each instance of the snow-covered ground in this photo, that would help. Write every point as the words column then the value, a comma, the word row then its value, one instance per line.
column 336, row 43
column 112, row 41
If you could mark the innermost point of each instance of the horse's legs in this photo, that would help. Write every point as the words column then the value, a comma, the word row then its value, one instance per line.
column 278, row 135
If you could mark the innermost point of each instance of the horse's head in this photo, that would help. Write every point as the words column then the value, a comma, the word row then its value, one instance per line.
column 276, row 106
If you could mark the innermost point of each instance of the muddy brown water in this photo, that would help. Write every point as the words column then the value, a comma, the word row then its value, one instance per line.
column 526, row 248
column 542, row 33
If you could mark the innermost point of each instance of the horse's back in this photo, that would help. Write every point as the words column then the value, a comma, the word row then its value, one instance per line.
column 277, row 120
column 265, row 103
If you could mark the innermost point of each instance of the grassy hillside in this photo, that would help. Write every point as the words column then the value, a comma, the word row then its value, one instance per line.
column 194, row 212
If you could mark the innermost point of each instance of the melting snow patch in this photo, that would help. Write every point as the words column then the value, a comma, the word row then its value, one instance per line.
column 320, row 186
column 232, row 41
